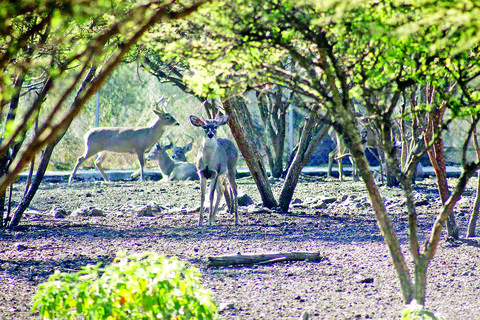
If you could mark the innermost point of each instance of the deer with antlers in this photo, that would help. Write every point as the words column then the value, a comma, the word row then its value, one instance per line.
column 216, row 160
column 124, row 140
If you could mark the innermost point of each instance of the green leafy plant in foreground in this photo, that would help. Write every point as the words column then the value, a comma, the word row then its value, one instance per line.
column 415, row 311
column 139, row 286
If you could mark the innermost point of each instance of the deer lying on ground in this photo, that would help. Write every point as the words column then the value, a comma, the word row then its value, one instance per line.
column 172, row 170
column 123, row 140
column 216, row 160
column 178, row 153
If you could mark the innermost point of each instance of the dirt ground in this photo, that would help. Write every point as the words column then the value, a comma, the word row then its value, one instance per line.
column 355, row 280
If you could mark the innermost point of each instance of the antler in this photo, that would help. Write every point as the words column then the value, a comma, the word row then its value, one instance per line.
column 156, row 108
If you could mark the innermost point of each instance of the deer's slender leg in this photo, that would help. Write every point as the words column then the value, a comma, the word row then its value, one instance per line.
column 87, row 154
column 203, row 187
column 234, row 190
column 141, row 161
column 80, row 160
column 213, row 187
column 98, row 164
column 331, row 156
column 219, row 190
column 227, row 192
column 340, row 169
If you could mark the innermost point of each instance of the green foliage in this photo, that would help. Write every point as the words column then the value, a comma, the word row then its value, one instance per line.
column 414, row 311
column 139, row 286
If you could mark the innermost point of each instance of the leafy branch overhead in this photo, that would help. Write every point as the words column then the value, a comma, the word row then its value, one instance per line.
column 72, row 37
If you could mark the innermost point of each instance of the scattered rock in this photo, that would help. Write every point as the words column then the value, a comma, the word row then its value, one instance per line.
column 88, row 212
column 422, row 202
column 245, row 200
column 226, row 306
column 58, row 212
column 366, row 280
column 145, row 211
column 296, row 201
column 21, row 247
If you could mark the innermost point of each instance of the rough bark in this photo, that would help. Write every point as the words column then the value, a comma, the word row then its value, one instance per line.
column 25, row 203
column 302, row 156
column 241, row 131
column 242, row 259
column 437, row 158
column 46, row 155
column 432, row 244
column 274, row 114
column 8, row 156
column 472, row 222
column 384, row 222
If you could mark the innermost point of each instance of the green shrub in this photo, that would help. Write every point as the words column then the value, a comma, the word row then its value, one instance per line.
column 415, row 311
column 140, row 286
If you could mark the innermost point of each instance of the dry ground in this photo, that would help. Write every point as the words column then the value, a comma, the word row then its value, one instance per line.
column 354, row 281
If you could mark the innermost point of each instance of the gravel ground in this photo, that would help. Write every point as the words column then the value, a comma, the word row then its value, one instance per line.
column 71, row 225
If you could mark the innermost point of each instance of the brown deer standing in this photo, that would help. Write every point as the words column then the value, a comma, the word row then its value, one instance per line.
column 123, row 140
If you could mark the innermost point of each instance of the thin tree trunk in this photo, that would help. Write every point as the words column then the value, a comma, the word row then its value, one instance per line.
column 241, row 128
column 384, row 223
column 437, row 158
column 7, row 157
column 273, row 115
column 302, row 156
column 432, row 244
column 421, row 266
column 25, row 203
column 472, row 222
column 46, row 155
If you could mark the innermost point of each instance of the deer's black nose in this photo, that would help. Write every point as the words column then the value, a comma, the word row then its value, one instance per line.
column 210, row 134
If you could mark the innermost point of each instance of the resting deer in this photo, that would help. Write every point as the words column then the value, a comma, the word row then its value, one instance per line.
column 216, row 160
column 123, row 140
column 172, row 170
column 178, row 153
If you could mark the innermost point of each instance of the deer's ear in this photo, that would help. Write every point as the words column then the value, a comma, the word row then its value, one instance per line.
column 196, row 121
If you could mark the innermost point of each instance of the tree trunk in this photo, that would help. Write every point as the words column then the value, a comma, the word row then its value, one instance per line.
column 437, row 158
column 472, row 222
column 241, row 131
column 25, row 203
column 383, row 220
column 421, row 266
column 7, row 157
column 302, row 156
column 274, row 117
column 46, row 155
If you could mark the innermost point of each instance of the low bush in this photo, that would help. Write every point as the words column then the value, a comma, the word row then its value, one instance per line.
column 140, row 286
column 415, row 311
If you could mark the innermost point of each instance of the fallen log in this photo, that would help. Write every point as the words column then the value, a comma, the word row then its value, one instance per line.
column 238, row 259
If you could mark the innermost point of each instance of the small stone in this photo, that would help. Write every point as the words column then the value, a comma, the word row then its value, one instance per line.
column 88, row 212
column 145, row 211
column 58, row 212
